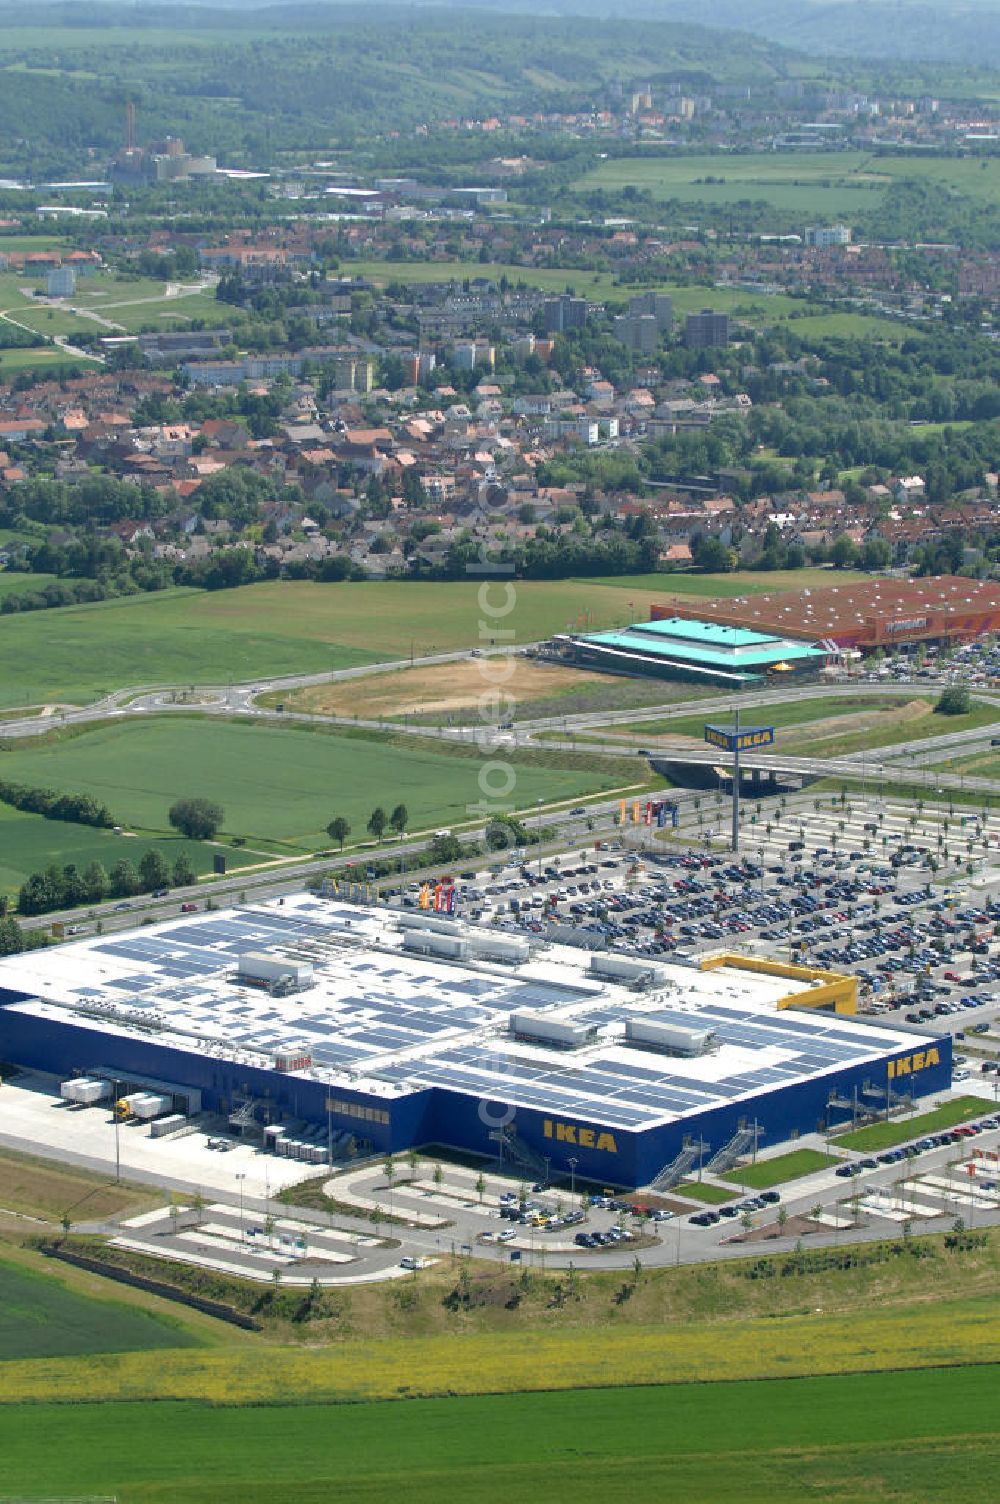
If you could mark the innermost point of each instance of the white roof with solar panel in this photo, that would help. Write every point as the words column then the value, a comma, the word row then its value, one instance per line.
column 389, row 1004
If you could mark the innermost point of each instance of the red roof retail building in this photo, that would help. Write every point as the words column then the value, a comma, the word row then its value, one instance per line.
column 873, row 613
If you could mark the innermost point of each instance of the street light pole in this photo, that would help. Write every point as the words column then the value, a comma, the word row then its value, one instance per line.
column 572, row 1175
column 239, row 1180
column 118, row 1157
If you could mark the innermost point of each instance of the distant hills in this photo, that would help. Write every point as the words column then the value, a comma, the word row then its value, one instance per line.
column 954, row 31
column 251, row 84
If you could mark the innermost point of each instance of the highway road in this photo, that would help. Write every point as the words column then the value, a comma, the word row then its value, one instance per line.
column 244, row 698
column 913, row 763
column 562, row 830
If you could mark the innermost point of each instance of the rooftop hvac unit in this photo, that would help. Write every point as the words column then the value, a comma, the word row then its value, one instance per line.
column 269, row 968
column 511, row 951
column 628, row 973
column 424, row 943
column 671, row 1039
column 542, row 1029
column 426, row 922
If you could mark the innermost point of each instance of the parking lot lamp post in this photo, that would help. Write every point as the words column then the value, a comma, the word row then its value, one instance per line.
column 538, row 805
column 117, row 1117
column 572, row 1175
column 239, row 1180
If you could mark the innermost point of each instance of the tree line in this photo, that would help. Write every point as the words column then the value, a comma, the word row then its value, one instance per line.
column 67, row 887
column 502, row 833
column 79, row 809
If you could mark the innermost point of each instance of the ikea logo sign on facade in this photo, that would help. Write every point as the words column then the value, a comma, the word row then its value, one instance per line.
column 585, row 1138
column 920, row 1060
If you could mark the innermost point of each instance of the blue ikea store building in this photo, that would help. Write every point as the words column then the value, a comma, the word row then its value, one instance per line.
column 396, row 1037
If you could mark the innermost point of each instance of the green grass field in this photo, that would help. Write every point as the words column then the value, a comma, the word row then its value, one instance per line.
column 178, row 637
column 791, row 1166
column 47, row 1191
column 701, row 1190
column 134, row 303
column 78, row 653
column 809, row 182
column 852, row 326
column 983, row 764
column 972, row 177
column 41, row 1318
column 836, row 184
column 890, row 723
column 50, row 321
column 15, row 288
column 40, row 359
column 601, row 286
column 105, row 289
column 743, row 582
column 890, row 730
column 31, row 243
column 918, row 1436
column 888, row 1135
column 29, row 842
column 794, row 713
column 12, row 582
column 280, row 784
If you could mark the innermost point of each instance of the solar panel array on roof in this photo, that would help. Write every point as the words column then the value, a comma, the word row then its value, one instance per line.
column 409, row 1023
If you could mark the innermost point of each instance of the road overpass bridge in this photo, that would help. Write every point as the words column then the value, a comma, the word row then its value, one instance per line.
column 758, row 779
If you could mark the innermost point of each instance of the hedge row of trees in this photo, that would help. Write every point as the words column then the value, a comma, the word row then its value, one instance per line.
column 79, row 809
column 13, row 940
column 66, row 887
column 503, row 833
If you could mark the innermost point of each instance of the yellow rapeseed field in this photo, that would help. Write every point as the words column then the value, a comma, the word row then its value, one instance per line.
column 915, row 1336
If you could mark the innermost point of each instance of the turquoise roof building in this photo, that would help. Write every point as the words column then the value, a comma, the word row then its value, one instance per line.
column 702, row 651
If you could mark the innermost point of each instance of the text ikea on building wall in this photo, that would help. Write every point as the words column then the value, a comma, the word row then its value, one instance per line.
column 920, row 1060
column 731, row 740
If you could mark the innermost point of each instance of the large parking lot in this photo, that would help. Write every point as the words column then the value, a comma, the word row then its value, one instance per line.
column 501, row 1213
column 977, row 662
column 904, row 896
